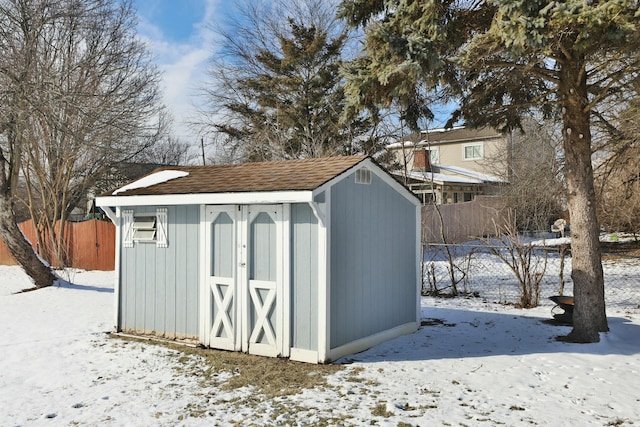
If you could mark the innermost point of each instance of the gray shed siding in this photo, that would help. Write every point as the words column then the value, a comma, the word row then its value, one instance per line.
column 159, row 286
column 304, row 278
column 373, row 256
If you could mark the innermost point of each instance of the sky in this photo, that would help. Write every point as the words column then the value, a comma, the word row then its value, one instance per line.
column 177, row 35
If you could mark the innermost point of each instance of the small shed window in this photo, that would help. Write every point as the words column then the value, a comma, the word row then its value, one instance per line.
column 363, row 176
column 145, row 228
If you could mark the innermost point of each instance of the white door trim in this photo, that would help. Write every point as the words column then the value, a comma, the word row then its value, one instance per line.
column 212, row 296
column 273, row 333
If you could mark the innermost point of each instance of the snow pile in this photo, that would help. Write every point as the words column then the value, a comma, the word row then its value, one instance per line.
column 471, row 363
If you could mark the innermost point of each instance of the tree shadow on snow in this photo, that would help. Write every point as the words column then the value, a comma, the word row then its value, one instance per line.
column 67, row 285
column 448, row 333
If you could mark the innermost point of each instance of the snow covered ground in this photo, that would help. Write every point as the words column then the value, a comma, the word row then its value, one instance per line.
column 484, row 274
column 471, row 363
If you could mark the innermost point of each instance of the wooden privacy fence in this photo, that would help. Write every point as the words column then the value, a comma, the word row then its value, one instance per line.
column 89, row 245
column 464, row 221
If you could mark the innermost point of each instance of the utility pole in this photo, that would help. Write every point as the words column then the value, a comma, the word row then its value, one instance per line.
column 202, row 146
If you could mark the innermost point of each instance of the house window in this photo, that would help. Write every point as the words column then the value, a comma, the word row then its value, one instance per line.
column 472, row 151
column 434, row 156
column 363, row 176
column 468, row 197
column 145, row 227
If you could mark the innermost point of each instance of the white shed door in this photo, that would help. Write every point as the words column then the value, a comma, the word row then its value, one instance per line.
column 264, row 279
column 244, row 304
column 222, row 304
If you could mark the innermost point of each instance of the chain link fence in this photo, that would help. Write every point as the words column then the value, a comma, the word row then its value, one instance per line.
column 480, row 270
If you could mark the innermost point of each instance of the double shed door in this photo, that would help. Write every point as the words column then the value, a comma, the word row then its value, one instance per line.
column 245, row 302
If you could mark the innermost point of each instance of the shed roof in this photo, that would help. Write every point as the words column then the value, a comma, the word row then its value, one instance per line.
column 285, row 175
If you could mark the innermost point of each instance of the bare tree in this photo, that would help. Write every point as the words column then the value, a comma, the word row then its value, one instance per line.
column 527, row 262
column 618, row 172
column 169, row 151
column 618, row 197
column 533, row 165
column 78, row 93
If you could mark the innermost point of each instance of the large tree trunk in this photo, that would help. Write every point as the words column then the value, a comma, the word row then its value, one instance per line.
column 20, row 247
column 589, row 315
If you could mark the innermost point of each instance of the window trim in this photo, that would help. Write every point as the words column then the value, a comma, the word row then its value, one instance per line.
column 472, row 144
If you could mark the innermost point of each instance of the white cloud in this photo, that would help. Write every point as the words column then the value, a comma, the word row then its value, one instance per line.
column 183, row 65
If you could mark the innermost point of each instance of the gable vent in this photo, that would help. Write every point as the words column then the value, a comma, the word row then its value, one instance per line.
column 363, row 176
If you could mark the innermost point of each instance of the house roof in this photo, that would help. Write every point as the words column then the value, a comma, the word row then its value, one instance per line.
column 482, row 177
column 445, row 136
column 285, row 175
column 441, row 178
column 462, row 176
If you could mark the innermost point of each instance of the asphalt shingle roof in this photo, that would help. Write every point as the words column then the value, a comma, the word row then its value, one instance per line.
column 285, row 175
column 453, row 135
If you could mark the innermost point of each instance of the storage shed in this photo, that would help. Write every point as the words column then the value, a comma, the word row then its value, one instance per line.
column 309, row 259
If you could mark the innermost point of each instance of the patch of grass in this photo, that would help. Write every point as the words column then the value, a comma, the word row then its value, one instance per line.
column 432, row 406
column 617, row 422
column 431, row 321
column 429, row 391
column 380, row 410
column 353, row 377
column 271, row 377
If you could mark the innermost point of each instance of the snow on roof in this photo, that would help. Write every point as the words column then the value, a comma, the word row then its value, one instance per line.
column 152, row 179
column 472, row 174
column 441, row 177
column 437, row 130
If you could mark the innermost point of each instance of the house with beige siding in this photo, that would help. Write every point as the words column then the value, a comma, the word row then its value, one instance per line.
column 309, row 259
column 453, row 165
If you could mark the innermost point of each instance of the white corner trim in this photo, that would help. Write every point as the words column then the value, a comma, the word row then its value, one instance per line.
column 324, row 282
column 116, row 279
column 303, row 355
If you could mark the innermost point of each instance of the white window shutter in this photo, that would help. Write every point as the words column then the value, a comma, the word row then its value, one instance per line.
column 161, row 228
column 127, row 229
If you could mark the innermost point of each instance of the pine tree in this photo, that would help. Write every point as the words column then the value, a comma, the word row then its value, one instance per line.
column 503, row 60
column 281, row 95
